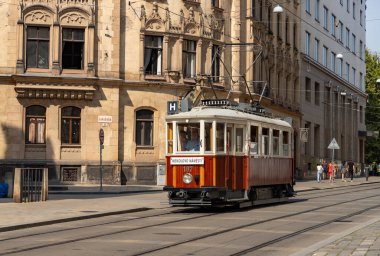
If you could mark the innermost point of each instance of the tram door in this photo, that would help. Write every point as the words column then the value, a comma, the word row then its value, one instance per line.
column 229, row 158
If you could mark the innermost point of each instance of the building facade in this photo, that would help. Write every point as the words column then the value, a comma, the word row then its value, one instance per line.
column 71, row 68
column 333, row 98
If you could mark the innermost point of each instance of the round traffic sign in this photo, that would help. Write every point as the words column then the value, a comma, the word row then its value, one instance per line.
column 101, row 136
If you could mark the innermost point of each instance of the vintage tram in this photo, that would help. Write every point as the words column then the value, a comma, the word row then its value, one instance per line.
column 223, row 153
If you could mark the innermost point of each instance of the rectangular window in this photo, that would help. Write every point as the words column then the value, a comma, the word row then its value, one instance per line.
column 189, row 54
column 72, row 48
column 239, row 139
column 361, row 114
column 316, row 49
column 353, row 47
column 353, row 76
column 347, row 38
column 265, row 141
column 340, row 67
column 189, row 136
column 307, row 89
column 220, row 137
column 254, row 150
column 307, row 43
column 341, row 32
column 276, row 142
column 348, row 5
column 316, row 93
column 70, row 125
column 332, row 61
column 307, row 6
column 325, row 17
column 295, row 41
column 208, row 137
column 285, row 143
column 153, row 55
column 144, row 127
column 316, row 10
column 253, row 8
column 215, row 63
column 37, row 47
column 361, row 81
column 215, row 3
column 361, row 18
column 279, row 25
column 324, row 56
column 353, row 10
column 348, row 71
column 332, row 25
column 361, row 49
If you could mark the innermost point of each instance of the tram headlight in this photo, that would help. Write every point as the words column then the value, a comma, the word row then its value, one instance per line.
column 187, row 178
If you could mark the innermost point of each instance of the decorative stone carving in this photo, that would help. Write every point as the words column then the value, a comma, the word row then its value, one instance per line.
column 154, row 21
column 74, row 18
column 39, row 17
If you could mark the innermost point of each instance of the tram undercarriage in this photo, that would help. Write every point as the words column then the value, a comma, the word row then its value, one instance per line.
column 220, row 196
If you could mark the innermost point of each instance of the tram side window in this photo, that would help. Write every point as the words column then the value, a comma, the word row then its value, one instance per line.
column 265, row 141
column 188, row 137
column 170, row 138
column 254, row 140
column 285, row 143
column 239, row 139
column 276, row 142
column 208, row 136
column 220, row 137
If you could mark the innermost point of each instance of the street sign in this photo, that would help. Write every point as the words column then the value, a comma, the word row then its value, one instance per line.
column 333, row 144
column 172, row 107
column 101, row 136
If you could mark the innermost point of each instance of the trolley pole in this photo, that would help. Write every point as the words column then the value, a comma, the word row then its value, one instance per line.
column 101, row 141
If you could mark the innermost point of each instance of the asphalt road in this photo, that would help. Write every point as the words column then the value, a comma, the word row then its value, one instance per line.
column 292, row 228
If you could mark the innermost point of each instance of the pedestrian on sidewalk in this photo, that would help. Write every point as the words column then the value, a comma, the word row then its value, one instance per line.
column 351, row 169
column 343, row 170
column 331, row 171
column 319, row 172
column 325, row 167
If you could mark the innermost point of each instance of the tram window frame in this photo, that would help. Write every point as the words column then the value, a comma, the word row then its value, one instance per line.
column 187, row 128
column 239, row 142
column 229, row 139
column 220, row 137
column 265, row 141
column 208, row 134
column 254, row 140
column 276, row 142
column 170, row 142
column 285, row 146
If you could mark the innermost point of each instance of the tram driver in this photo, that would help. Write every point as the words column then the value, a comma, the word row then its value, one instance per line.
column 193, row 144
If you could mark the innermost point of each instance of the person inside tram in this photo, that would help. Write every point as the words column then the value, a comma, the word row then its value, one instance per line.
column 193, row 144
column 182, row 140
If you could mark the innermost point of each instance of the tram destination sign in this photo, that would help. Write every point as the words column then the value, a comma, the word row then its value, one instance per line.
column 187, row 160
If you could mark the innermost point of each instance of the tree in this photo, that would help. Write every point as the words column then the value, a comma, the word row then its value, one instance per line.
column 372, row 118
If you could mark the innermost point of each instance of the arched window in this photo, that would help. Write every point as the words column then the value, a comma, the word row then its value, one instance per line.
column 144, row 127
column 35, row 125
column 70, row 125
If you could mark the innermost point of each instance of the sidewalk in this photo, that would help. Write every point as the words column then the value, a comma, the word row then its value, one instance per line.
column 83, row 202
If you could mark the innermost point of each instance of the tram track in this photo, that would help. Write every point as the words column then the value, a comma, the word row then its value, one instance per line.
column 68, row 241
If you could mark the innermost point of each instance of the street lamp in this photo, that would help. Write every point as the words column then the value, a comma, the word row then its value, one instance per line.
column 339, row 56
column 278, row 9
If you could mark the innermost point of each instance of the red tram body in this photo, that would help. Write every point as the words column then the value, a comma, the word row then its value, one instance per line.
column 241, row 157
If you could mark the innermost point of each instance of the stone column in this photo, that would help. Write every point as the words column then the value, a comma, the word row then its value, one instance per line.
column 141, row 56
column 179, row 58
column 55, row 49
column 198, row 61
column 90, row 50
column 165, row 57
column 20, row 47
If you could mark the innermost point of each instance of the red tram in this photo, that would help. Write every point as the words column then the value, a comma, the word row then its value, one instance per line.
column 221, row 153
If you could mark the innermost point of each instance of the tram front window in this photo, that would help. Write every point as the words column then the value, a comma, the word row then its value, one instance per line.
column 188, row 137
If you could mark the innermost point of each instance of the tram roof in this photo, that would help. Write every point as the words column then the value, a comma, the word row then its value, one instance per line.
column 206, row 112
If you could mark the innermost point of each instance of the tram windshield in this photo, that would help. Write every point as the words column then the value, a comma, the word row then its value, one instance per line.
column 188, row 137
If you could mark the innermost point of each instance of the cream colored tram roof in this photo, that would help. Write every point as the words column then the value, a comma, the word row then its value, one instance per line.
column 224, row 113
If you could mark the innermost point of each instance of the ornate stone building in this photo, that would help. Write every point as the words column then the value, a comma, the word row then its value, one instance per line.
column 69, row 68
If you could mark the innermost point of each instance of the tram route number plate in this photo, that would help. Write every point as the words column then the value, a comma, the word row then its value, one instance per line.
column 187, row 160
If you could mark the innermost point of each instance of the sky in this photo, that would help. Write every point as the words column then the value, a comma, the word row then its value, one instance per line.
column 373, row 25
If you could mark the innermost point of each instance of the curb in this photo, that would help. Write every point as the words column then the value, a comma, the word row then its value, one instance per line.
column 102, row 192
column 50, row 222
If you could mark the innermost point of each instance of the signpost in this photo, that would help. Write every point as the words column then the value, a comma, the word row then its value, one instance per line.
column 101, row 141
column 333, row 145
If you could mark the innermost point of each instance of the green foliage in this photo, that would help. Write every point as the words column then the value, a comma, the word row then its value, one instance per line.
column 372, row 118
